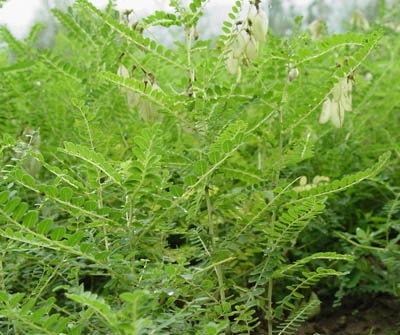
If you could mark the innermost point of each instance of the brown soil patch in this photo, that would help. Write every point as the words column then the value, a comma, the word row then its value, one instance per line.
column 366, row 316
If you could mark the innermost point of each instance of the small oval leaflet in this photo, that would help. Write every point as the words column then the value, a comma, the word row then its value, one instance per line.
column 227, row 146
column 190, row 180
column 20, row 211
column 200, row 167
column 30, row 219
column 4, row 196
column 176, row 190
column 44, row 226
column 74, row 239
column 11, row 205
column 214, row 157
column 66, row 194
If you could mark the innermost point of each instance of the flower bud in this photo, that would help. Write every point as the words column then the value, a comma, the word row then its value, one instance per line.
column 316, row 29
column 293, row 74
column 238, row 46
column 23, row 151
column 360, row 21
column 122, row 71
column 368, row 76
column 132, row 99
column 232, row 64
column 347, row 97
column 337, row 115
column 148, row 111
column 326, row 111
column 251, row 50
column 342, row 93
column 259, row 25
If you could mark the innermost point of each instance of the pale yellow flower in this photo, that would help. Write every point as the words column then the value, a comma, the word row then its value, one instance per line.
column 334, row 109
column 259, row 26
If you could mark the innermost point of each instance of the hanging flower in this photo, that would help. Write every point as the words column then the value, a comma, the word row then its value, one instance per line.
column 304, row 186
column 333, row 109
column 316, row 29
column 293, row 74
column 238, row 46
column 342, row 93
column 259, row 26
column 132, row 98
column 251, row 50
column 236, row 55
column 148, row 111
column 360, row 21
column 232, row 64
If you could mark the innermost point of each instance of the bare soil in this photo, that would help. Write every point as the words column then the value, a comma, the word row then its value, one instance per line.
column 357, row 316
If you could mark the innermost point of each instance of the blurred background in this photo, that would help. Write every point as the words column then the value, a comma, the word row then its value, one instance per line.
column 20, row 15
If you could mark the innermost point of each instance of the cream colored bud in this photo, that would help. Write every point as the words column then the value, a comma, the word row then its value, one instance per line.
column 326, row 111
column 347, row 97
column 251, row 50
column 239, row 46
column 303, row 181
column 232, row 64
column 360, row 21
column 337, row 114
column 316, row 28
column 368, row 77
column 24, row 149
column 346, row 103
column 132, row 99
column 320, row 180
column 32, row 165
column 259, row 25
column 293, row 74
column 149, row 112
column 342, row 93
column 122, row 71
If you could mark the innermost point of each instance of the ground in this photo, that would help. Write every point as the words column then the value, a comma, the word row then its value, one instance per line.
column 357, row 316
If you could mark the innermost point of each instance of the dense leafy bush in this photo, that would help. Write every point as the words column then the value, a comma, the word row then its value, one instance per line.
column 191, row 189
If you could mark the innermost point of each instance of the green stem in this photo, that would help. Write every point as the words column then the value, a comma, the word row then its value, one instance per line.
column 282, row 107
column 270, row 317
column 213, row 236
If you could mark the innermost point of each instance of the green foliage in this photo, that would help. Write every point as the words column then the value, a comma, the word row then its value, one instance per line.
column 147, row 190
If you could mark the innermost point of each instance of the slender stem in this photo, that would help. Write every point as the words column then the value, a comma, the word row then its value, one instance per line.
column 98, row 173
column 213, row 236
column 270, row 314
column 281, row 134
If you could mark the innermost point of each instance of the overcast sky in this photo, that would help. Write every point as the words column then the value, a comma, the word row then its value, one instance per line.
column 18, row 15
